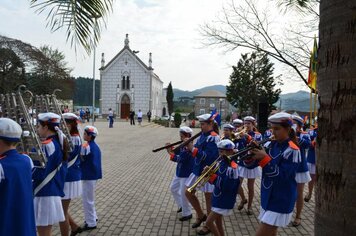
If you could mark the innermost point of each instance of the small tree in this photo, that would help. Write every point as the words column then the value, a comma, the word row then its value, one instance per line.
column 169, row 99
column 251, row 80
column 177, row 119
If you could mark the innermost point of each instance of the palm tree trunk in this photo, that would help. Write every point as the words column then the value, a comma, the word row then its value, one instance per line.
column 335, row 212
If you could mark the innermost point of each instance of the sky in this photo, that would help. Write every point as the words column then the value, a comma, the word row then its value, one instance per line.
column 167, row 28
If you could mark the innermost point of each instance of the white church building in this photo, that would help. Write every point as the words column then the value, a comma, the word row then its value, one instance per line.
column 127, row 83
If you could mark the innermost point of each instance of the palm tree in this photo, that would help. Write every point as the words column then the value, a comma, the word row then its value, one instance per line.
column 83, row 19
column 335, row 210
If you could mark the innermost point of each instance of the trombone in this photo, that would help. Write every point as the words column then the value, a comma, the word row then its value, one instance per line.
column 214, row 167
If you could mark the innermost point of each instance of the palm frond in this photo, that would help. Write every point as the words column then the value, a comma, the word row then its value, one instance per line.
column 82, row 19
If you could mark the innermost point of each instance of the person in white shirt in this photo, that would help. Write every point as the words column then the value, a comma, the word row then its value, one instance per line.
column 139, row 116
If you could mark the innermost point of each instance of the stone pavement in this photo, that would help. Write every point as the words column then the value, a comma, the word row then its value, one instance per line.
column 134, row 198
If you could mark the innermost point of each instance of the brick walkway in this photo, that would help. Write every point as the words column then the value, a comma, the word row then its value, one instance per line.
column 134, row 197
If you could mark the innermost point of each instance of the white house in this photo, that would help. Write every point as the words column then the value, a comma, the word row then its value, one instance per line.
column 126, row 83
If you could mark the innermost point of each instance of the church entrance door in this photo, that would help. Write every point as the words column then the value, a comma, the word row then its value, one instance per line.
column 125, row 107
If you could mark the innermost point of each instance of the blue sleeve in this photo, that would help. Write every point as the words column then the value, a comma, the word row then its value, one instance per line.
column 283, row 170
column 304, row 141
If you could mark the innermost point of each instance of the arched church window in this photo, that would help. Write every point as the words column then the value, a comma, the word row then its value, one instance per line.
column 127, row 82
column 123, row 83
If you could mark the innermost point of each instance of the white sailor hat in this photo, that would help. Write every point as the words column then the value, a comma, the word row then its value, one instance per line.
column 204, row 117
column 186, row 129
column 70, row 116
column 298, row 119
column 91, row 130
column 281, row 117
column 250, row 119
column 49, row 117
column 10, row 130
column 237, row 121
column 226, row 144
column 228, row 126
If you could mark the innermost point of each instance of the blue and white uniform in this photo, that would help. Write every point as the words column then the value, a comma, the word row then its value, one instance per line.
column 249, row 168
column 278, row 184
column 91, row 173
column 185, row 164
column 268, row 134
column 311, row 151
column 17, row 215
column 226, row 184
column 204, row 154
column 303, row 175
column 48, row 205
column 73, row 184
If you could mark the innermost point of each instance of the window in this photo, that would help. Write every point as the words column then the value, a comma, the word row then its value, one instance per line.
column 212, row 105
column 125, row 83
column 201, row 111
column 202, row 101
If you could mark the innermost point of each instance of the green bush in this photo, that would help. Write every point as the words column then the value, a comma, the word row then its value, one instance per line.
column 177, row 119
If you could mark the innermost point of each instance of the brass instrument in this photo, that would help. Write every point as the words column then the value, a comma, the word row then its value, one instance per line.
column 214, row 167
column 238, row 134
column 167, row 146
column 49, row 103
column 14, row 107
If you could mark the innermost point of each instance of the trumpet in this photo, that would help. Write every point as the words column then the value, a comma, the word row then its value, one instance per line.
column 237, row 135
column 214, row 167
column 167, row 146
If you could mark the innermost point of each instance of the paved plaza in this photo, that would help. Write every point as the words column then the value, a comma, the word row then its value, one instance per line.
column 133, row 198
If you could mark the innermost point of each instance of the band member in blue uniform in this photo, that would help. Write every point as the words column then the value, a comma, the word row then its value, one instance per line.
column 226, row 182
column 91, row 173
column 185, row 164
column 268, row 132
column 279, row 168
column 73, row 184
column 228, row 132
column 238, row 124
column 313, row 132
column 17, row 216
column 204, row 152
column 303, row 175
column 249, row 168
column 48, row 182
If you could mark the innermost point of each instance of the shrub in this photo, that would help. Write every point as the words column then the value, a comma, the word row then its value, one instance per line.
column 177, row 119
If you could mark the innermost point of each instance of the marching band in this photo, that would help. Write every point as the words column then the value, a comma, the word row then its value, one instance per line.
column 64, row 169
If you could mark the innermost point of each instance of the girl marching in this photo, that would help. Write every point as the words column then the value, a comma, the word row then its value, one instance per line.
column 226, row 182
column 48, row 182
column 185, row 164
column 72, row 185
column 249, row 168
column 279, row 168
column 303, row 175
column 313, row 132
column 16, row 212
column 204, row 153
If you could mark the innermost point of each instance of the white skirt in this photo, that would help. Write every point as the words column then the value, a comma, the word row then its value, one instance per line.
column 249, row 173
column 311, row 168
column 48, row 210
column 207, row 188
column 302, row 178
column 72, row 190
column 274, row 218
column 224, row 212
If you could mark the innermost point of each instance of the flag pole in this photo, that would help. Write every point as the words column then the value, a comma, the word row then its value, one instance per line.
column 310, row 107
column 315, row 98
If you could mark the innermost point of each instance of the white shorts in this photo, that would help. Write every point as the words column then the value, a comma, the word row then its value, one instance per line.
column 311, row 168
column 302, row 178
column 275, row 218
column 48, row 210
column 207, row 188
column 72, row 190
column 249, row 173
column 224, row 212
